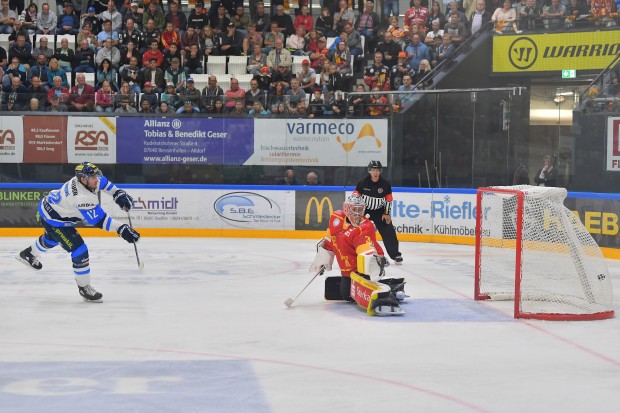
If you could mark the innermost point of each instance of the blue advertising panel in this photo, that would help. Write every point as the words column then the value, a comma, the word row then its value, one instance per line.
column 228, row 141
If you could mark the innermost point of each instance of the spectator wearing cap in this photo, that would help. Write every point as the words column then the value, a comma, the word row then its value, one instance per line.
column 219, row 22
column 154, row 75
column 69, row 22
column 232, row 41
column 150, row 94
column 257, row 60
column 198, row 17
column 46, row 20
column 175, row 74
column 279, row 56
column 390, row 50
column 113, row 16
column 188, row 107
column 264, row 79
column 399, row 70
column 170, row 96
column 190, row 93
column 307, row 77
column 177, row 18
column 90, row 18
column 135, row 14
column 232, row 95
column 436, row 31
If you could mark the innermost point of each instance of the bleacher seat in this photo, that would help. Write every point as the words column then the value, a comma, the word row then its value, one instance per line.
column 4, row 42
column 244, row 80
column 223, row 81
column 216, row 65
column 238, row 65
column 69, row 37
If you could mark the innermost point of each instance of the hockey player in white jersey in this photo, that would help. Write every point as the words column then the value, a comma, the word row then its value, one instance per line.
column 76, row 201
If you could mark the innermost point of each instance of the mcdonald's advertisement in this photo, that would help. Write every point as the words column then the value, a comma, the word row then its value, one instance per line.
column 324, row 142
column 554, row 52
column 313, row 208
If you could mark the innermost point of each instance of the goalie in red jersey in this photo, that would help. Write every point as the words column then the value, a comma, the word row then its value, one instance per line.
column 351, row 239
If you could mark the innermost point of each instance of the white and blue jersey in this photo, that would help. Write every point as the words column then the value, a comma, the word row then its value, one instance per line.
column 74, row 203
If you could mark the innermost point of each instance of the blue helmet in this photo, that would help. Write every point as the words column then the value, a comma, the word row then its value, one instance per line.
column 86, row 170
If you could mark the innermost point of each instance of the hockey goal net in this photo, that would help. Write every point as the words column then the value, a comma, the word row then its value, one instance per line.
column 532, row 249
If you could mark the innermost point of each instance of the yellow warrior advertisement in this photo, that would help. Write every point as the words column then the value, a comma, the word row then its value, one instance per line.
column 554, row 52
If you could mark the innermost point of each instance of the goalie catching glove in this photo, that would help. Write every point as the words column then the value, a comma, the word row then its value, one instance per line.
column 123, row 200
column 128, row 234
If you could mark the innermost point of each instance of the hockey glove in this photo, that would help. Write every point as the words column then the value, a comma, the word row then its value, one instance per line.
column 128, row 234
column 123, row 200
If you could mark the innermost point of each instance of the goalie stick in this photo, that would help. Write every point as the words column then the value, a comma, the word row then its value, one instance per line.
column 140, row 263
column 289, row 301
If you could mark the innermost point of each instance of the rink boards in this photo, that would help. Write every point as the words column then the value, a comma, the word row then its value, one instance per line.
column 424, row 215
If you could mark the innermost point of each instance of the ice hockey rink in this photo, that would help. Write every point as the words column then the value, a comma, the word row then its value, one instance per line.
column 204, row 329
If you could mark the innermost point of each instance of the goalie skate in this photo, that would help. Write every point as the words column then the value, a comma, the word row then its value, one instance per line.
column 388, row 310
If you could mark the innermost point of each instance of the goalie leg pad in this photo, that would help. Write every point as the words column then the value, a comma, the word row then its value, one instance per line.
column 332, row 288
column 365, row 292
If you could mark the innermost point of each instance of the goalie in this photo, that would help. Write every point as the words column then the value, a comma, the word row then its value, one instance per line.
column 351, row 238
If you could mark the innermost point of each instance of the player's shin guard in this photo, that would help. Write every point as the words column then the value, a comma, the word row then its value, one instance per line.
column 376, row 298
column 81, row 267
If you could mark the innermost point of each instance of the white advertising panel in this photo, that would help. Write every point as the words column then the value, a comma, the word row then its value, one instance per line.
column 91, row 139
column 324, row 142
column 205, row 208
column 11, row 139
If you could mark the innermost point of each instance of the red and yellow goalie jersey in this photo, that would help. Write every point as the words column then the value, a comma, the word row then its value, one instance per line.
column 348, row 241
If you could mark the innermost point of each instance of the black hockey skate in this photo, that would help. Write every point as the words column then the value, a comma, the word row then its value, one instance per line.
column 386, row 305
column 397, row 287
column 90, row 295
column 28, row 259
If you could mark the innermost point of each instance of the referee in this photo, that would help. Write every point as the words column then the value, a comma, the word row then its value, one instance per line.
column 377, row 195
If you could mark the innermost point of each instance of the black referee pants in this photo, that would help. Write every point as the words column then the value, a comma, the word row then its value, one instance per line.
column 387, row 231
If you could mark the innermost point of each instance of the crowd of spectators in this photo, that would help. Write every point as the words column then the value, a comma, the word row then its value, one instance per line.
column 144, row 53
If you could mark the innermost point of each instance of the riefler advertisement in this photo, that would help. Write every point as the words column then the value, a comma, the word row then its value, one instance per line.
column 313, row 208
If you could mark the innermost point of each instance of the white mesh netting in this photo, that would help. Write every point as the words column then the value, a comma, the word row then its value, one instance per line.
column 562, row 269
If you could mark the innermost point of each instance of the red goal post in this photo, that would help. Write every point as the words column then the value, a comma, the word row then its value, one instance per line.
column 533, row 250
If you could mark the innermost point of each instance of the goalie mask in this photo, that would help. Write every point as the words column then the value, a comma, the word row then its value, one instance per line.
column 354, row 208
column 87, row 170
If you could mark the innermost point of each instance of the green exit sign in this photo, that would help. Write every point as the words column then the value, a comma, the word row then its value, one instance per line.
column 569, row 74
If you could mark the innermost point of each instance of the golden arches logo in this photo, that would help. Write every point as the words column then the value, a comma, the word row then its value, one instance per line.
column 319, row 208
column 366, row 132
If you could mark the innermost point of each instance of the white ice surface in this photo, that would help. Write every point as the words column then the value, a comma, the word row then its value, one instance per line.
column 204, row 329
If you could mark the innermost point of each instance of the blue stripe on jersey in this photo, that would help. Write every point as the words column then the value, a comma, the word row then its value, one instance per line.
column 50, row 241
column 54, row 219
column 93, row 215
column 108, row 222
column 80, row 250
column 85, row 272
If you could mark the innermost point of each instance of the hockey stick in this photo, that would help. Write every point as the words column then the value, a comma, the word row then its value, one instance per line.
column 140, row 263
column 289, row 302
